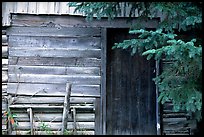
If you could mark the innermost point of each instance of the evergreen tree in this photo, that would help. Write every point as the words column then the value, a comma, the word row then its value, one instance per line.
column 181, row 81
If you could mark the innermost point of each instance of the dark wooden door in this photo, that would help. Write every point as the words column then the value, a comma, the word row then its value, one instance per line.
column 131, row 105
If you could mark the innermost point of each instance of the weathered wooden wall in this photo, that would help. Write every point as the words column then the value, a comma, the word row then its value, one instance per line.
column 41, row 61
column 4, row 78
column 57, row 8
column 175, row 123
column 56, row 67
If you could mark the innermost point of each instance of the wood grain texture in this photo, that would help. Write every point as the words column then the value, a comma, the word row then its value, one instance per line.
column 46, row 89
column 68, row 21
column 54, row 52
column 55, row 117
column 54, row 70
column 51, row 100
column 47, row 78
column 57, row 61
column 57, row 31
column 56, row 125
column 55, row 42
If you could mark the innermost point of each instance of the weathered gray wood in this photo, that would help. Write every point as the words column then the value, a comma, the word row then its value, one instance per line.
column 55, row 79
column 4, row 39
column 102, row 122
column 4, row 105
column 122, row 22
column 37, row 106
column 4, row 88
column 98, row 126
column 175, row 127
column 54, row 52
column 4, row 51
column 56, row 125
column 34, row 106
column 175, row 115
column 54, row 31
column 174, row 120
column 22, row 132
column 30, row 114
column 55, row 42
column 47, row 100
column 4, row 63
column 4, row 76
column 74, row 121
column 54, row 117
column 38, row 89
column 57, row 61
column 66, row 107
column 59, row 70
column 53, row 89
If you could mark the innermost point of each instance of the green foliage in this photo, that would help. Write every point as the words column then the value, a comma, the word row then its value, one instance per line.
column 11, row 117
column 46, row 128
column 181, row 80
column 98, row 9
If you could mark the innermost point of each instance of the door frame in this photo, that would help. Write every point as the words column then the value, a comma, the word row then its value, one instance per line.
column 103, row 86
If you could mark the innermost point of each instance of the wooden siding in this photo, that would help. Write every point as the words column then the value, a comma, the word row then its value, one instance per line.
column 41, row 61
column 175, row 123
column 60, row 8
column 4, row 79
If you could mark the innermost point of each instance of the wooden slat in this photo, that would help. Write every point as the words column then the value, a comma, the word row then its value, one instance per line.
column 66, row 107
column 55, row 117
column 4, row 39
column 50, row 7
column 49, row 61
column 21, row 132
column 175, row 115
column 4, row 88
column 4, row 63
column 43, row 78
column 4, row 76
column 122, row 22
column 54, row 31
column 41, row 100
column 54, row 52
column 20, row 69
column 54, row 89
column 22, row 7
column 4, row 52
column 55, row 42
column 56, row 125
column 32, row 7
column 175, row 127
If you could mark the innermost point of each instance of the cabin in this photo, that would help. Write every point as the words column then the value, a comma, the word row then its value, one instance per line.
column 61, row 76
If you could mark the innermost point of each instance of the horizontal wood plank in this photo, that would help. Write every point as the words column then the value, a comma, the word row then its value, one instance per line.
column 54, row 42
column 23, row 132
column 66, row 20
column 55, row 125
column 4, row 88
column 46, row 89
column 44, row 78
column 4, row 51
column 54, row 31
column 54, row 70
column 4, row 63
column 4, row 39
column 4, row 76
column 57, row 61
column 55, row 117
column 51, row 100
column 54, row 52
